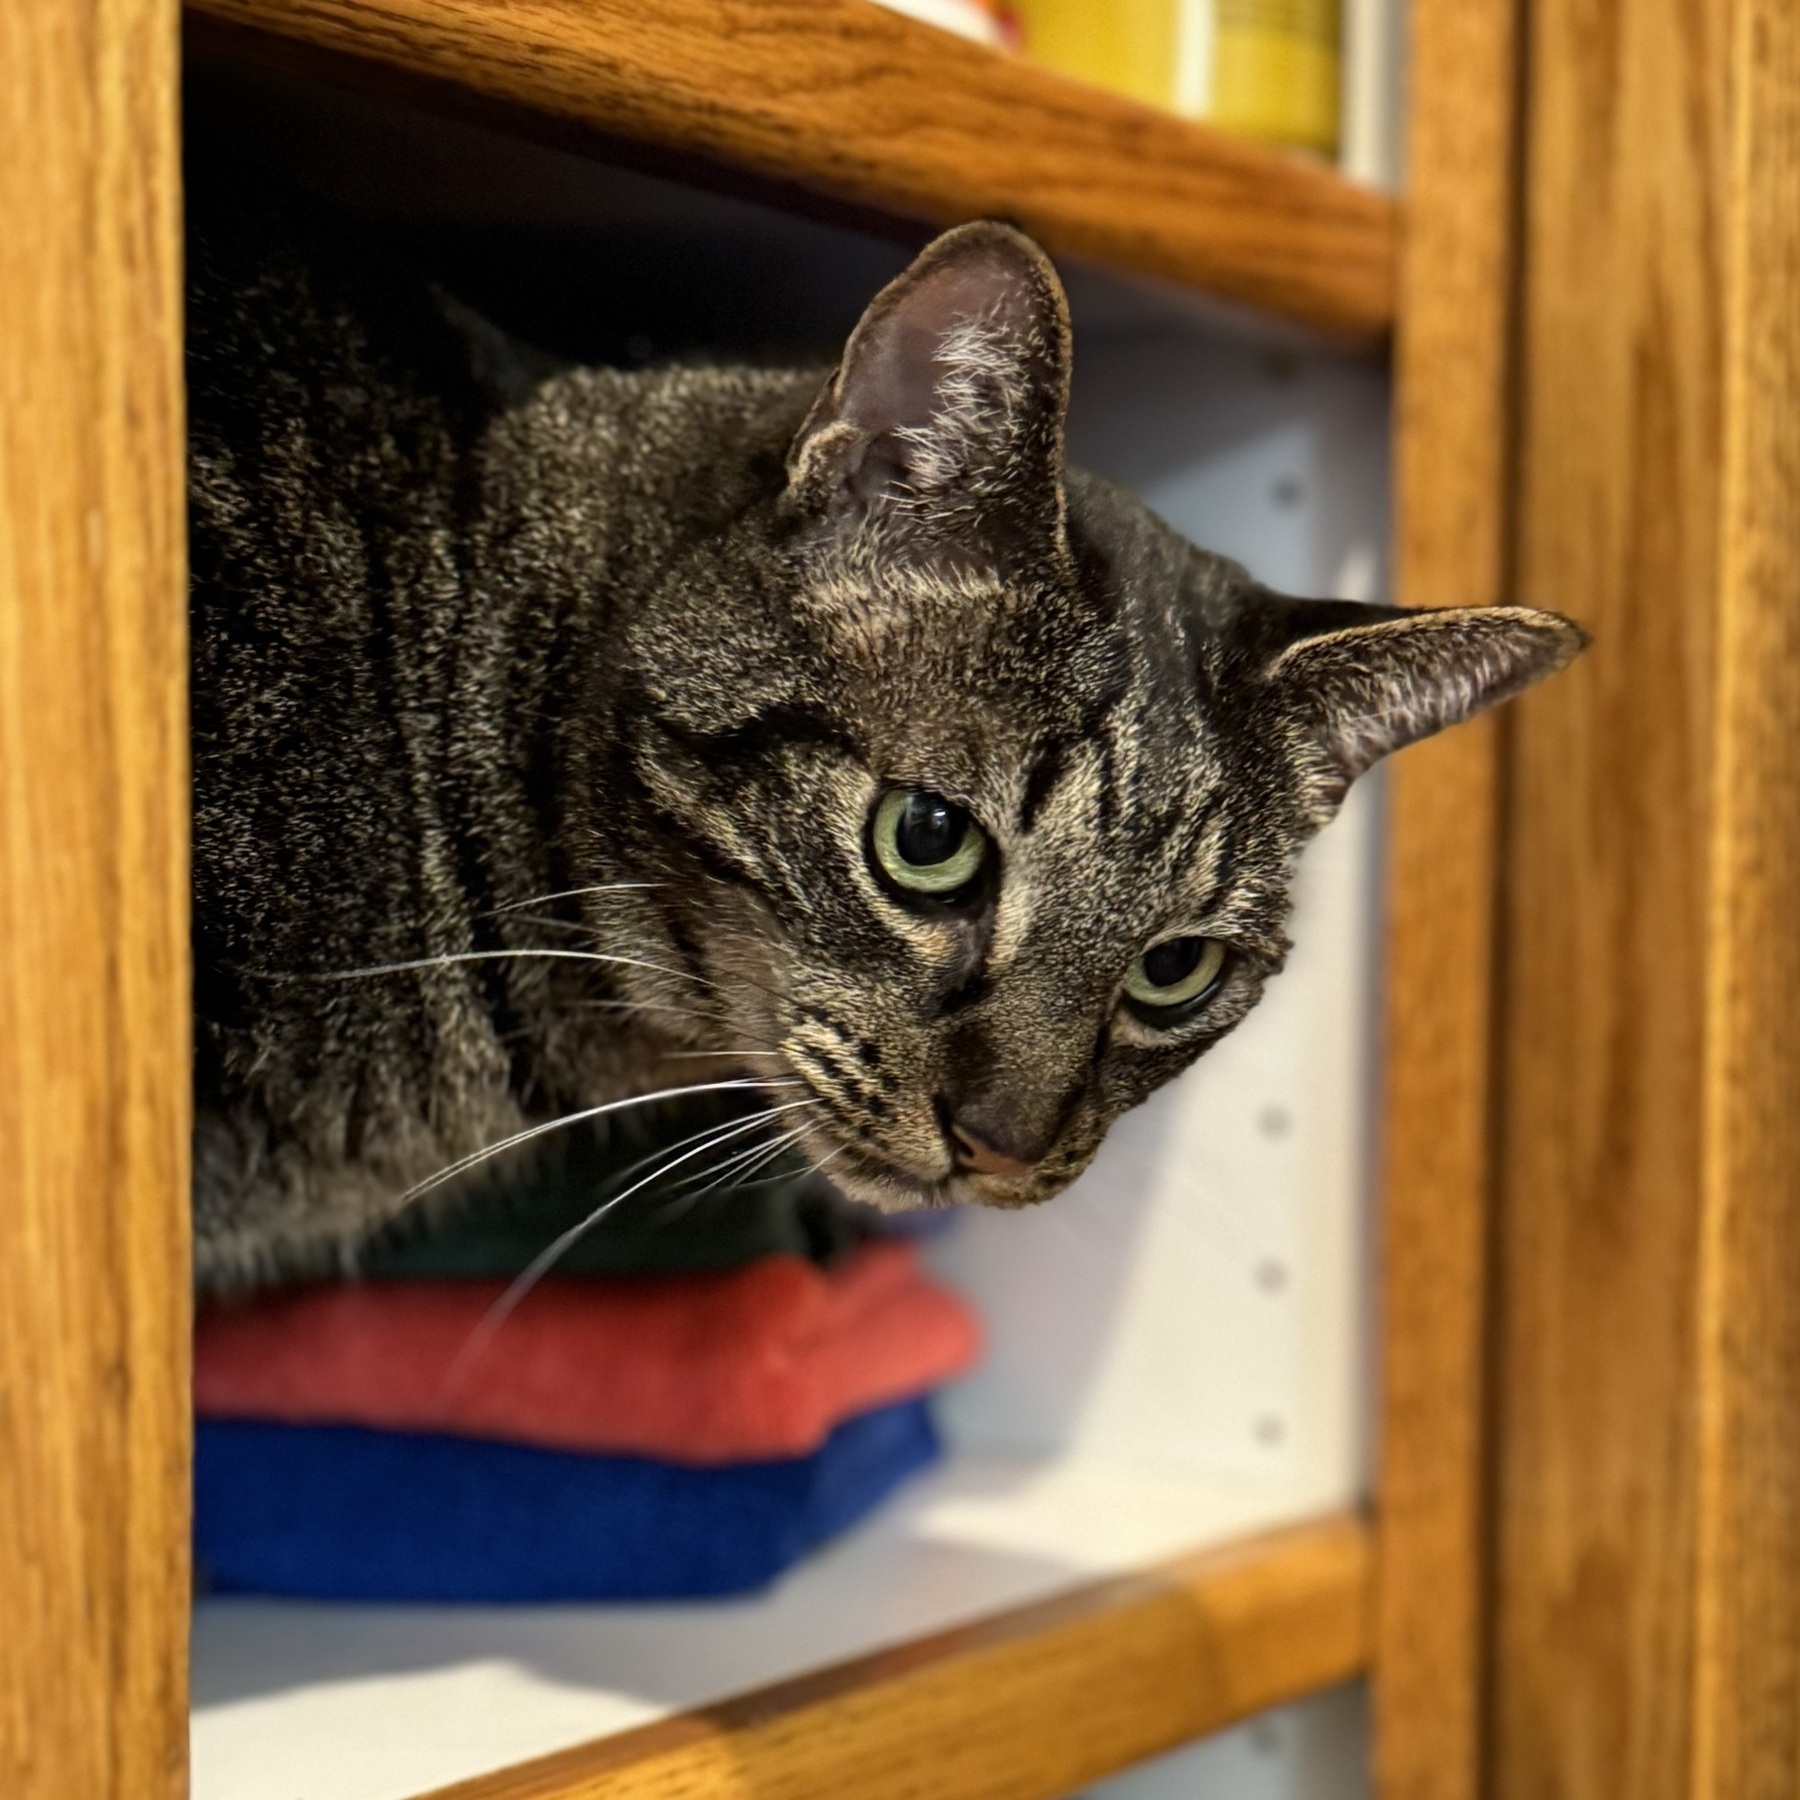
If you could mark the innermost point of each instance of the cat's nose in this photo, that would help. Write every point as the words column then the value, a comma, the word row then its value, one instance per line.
column 981, row 1157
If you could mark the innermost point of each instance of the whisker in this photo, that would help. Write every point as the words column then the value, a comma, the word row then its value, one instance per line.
column 818, row 1168
column 476, row 1157
column 770, row 1180
column 718, row 1132
column 690, row 975
column 742, row 1186
column 475, row 956
column 759, row 1156
column 541, row 1264
column 605, row 887
column 743, row 1164
column 754, row 1165
column 742, row 1160
column 737, row 1187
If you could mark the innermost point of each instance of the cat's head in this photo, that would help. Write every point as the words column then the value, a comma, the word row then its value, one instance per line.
column 978, row 791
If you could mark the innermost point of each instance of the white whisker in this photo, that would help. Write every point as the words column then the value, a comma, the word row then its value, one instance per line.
column 758, row 1161
column 605, row 887
column 689, row 1196
column 550, row 924
column 742, row 1161
column 716, row 1133
column 475, row 956
column 541, row 1264
column 575, row 1118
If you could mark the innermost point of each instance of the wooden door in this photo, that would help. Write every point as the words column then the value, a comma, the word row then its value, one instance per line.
column 94, row 1005
column 1646, row 1581
column 1591, row 1502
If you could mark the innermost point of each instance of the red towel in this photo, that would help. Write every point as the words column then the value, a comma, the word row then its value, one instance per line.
column 753, row 1363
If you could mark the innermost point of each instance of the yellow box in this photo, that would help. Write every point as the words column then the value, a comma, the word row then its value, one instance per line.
column 1265, row 69
column 1275, row 70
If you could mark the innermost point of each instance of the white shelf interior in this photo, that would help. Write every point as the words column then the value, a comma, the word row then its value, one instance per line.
column 1178, row 1346
column 317, row 1702
column 1315, row 1749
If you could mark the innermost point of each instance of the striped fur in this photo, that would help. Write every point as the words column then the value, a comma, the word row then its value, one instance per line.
column 654, row 644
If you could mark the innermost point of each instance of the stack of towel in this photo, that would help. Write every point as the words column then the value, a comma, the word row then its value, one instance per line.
column 621, row 1434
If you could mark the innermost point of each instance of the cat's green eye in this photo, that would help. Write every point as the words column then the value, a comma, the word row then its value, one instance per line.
column 925, row 843
column 1177, row 972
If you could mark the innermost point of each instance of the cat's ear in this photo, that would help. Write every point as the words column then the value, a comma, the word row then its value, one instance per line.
column 944, row 420
column 1358, row 682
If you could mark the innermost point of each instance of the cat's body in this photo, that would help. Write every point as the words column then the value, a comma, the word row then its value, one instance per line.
column 385, row 671
column 670, row 638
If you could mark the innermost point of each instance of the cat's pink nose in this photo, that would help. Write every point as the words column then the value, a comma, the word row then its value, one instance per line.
column 980, row 1157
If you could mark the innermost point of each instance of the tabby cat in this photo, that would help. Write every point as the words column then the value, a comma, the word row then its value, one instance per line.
column 563, row 737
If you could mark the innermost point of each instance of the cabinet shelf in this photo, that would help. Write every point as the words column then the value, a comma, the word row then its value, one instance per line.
column 1070, row 1636
column 1026, row 1705
column 1521, row 460
column 1008, row 1629
column 848, row 102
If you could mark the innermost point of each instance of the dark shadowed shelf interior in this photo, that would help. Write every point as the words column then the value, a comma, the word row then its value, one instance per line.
column 849, row 107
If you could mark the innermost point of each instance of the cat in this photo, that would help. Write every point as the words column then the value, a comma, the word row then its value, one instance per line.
column 563, row 737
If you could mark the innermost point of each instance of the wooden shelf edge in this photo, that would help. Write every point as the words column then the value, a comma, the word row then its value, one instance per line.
column 847, row 100
column 1026, row 1705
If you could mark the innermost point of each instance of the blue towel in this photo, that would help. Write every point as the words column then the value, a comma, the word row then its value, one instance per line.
column 336, row 1512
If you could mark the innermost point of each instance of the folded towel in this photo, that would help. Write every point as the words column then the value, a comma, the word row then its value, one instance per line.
column 760, row 1362
column 510, row 1209
column 338, row 1513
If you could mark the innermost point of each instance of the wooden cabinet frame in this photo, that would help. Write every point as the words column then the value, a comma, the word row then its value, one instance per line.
column 1586, row 1569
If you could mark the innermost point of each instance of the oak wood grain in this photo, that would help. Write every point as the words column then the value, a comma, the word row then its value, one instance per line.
column 94, row 1079
column 849, row 99
column 1606, row 938
column 1025, row 1706
column 1746, row 1700
column 1452, row 527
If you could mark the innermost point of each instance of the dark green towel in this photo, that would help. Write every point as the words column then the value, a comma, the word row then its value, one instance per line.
column 499, row 1221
